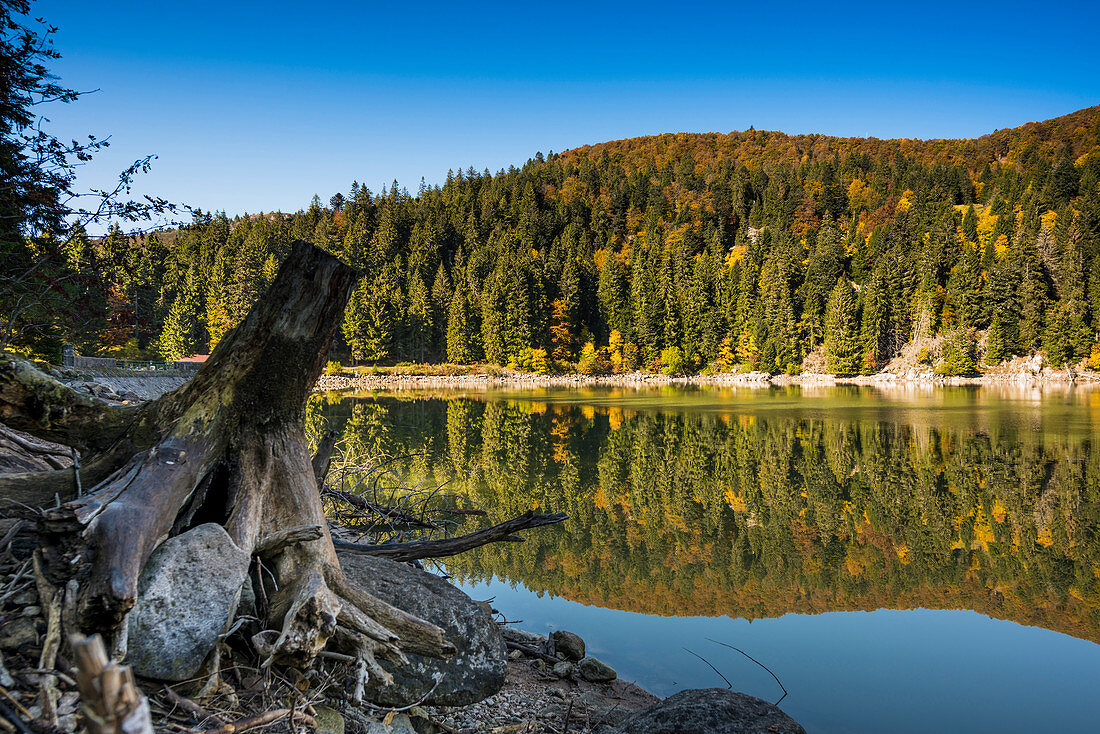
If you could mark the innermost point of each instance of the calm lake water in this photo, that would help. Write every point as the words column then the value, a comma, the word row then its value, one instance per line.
column 909, row 560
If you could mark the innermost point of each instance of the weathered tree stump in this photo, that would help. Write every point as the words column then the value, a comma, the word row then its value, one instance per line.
column 227, row 447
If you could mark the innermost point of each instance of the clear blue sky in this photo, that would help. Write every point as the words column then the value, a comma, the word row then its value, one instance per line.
column 257, row 106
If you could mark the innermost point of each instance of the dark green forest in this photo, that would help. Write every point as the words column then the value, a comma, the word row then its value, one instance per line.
column 677, row 252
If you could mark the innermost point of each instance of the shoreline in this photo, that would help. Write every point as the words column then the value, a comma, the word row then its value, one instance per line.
column 1054, row 379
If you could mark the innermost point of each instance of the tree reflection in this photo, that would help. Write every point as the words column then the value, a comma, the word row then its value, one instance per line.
column 761, row 513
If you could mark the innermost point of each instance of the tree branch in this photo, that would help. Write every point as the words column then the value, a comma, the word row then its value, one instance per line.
column 452, row 546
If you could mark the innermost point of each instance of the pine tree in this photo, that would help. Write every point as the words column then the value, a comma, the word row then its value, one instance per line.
column 614, row 295
column 462, row 329
column 843, row 350
column 180, row 335
column 875, row 325
column 421, row 318
column 442, row 292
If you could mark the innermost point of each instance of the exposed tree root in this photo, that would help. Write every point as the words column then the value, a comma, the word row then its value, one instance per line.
column 227, row 447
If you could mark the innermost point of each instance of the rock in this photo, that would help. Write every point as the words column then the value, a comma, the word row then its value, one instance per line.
column 563, row 669
column 596, row 671
column 567, row 645
column 185, row 595
column 401, row 724
column 601, row 708
column 711, row 711
column 515, row 654
column 511, row 634
column 329, row 721
column 476, row 671
column 18, row 632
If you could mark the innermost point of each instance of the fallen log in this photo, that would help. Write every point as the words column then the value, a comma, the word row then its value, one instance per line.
column 452, row 546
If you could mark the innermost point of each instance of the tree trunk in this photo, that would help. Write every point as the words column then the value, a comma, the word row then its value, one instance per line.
column 228, row 447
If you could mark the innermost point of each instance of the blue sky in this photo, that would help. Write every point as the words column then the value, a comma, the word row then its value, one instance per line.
column 257, row 106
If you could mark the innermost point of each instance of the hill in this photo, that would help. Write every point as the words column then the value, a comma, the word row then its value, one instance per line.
column 747, row 250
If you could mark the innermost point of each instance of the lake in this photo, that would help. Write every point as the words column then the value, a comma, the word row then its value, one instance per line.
column 909, row 559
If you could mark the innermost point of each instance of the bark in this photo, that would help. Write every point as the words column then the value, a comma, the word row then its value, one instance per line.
column 226, row 447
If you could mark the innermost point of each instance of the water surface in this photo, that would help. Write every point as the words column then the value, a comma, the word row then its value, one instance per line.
column 906, row 560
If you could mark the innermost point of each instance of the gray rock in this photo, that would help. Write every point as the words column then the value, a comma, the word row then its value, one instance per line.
column 401, row 724
column 185, row 595
column 513, row 634
column 710, row 711
column 596, row 671
column 567, row 645
column 563, row 669
column 18, row 632
column 476, row 671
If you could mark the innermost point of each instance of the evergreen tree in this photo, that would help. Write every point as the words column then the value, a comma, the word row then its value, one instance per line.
column 843, row 350
column 180, row 335
column 875, row 325
column 462, row 328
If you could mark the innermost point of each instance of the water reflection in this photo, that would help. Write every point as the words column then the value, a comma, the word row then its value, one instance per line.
column 753, row 503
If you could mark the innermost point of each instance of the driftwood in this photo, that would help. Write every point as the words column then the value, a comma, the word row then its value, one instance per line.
column 264, row 719
column 453, row 546
column 110, row 698
column 55, row 457
column 226, row 447
column 533, row 652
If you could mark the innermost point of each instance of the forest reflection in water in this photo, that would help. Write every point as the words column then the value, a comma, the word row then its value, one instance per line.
column 758, row 503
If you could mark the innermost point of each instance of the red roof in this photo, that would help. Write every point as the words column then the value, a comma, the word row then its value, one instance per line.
column 194, row 358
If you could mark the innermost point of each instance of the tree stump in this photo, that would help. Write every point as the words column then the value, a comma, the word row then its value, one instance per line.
column 227, row 447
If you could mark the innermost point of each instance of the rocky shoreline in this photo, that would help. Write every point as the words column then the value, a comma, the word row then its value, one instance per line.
column 1044, row 378
column 1026, row 373
column 501, row 680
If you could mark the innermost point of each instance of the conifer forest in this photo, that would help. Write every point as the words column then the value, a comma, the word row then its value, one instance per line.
column 678, row 252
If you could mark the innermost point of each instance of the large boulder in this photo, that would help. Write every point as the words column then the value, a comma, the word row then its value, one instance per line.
column 567, row 645
column 595, row 671
column 710, row 711
column 186, row 593
column 476, row 671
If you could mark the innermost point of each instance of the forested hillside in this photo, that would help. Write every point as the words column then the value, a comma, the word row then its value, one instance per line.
column 676, row 252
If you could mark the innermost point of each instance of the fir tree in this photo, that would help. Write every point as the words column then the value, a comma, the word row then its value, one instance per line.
column 843, row 350
column 462, row 344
